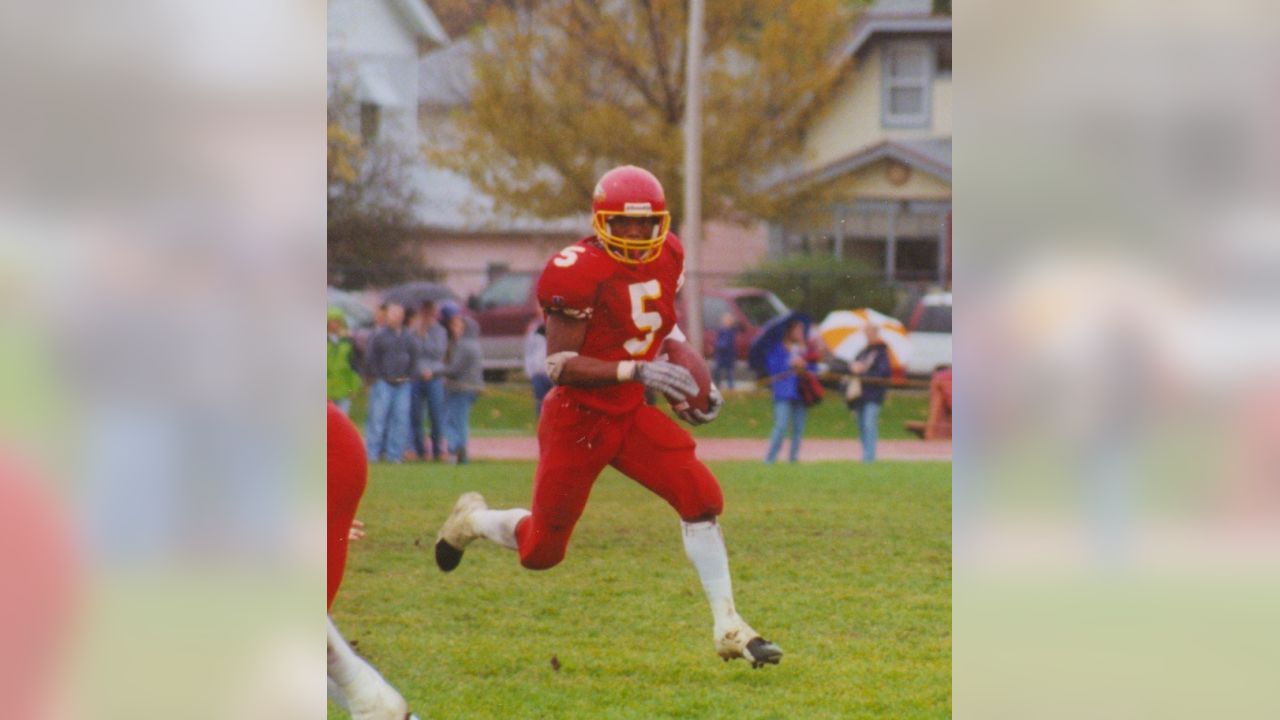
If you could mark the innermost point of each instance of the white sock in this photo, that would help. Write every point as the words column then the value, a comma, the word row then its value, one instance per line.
column 704, row 544
column 498, row 526
column 366, row 693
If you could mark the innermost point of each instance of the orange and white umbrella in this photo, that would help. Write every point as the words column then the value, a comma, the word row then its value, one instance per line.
column 844, row 334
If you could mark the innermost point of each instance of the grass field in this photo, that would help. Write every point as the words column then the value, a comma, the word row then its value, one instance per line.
column 846, row 566
column 507, row 409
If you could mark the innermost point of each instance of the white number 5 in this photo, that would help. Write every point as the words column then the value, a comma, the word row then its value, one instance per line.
column 569, row 256
column 646, row 322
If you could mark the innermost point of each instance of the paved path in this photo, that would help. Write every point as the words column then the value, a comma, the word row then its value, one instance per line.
column 811, row 450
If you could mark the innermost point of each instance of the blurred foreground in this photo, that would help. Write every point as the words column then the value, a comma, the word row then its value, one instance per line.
column 1117, row 476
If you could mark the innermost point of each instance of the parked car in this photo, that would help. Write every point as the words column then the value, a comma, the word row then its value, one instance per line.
column 505, row 309
column 929, row 328
column 750, row 307
column 508, row 307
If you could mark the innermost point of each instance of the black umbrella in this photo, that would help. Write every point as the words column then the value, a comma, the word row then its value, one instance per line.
column 771, row 333
column 411, row 295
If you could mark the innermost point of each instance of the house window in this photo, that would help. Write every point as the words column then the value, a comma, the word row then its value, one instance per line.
column 943, row 65
column 906, row 77
column 370, row 119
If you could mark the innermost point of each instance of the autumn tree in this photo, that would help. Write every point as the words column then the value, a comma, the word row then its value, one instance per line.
column 569, row 88
column 371, row 200
column 460, row 16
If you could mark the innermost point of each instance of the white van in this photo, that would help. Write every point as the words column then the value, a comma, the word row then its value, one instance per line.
column 929, row 328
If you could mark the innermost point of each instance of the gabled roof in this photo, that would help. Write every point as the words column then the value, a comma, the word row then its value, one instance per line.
column 886, row 19
column 421, row 20
column 932, row 156
column 450, row 203
column 445, row 76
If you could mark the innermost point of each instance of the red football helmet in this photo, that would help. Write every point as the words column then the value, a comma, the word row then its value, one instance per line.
column 630, row 192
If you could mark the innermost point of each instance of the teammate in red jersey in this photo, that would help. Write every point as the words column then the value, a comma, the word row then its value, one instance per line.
column 353, row 683
column 610, row 304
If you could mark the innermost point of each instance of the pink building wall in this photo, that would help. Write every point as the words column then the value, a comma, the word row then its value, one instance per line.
column 730, row 248
column 727, row 250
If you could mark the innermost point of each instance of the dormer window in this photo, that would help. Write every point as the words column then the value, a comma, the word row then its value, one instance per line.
column 906, row 74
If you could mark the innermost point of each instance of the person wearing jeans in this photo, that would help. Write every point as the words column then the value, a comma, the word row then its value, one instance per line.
column 786, row 412
column 784, row 361
column 873, row 363
column 457, row 426
column 392, row 362
column 463, row 374
column 428, row 387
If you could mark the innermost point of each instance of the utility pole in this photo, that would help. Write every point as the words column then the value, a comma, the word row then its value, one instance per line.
column 692, row 227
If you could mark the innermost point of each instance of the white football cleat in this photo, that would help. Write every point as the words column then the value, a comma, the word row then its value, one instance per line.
column 377, row 701
column 736, row 639
column 457, row 532
column 355, row 685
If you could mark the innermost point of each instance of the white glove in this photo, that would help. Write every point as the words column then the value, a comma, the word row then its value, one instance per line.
column 667, row 378
column 696, row 417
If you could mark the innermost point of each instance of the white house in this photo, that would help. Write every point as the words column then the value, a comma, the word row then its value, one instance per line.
column 876, row 168
column 374, row 46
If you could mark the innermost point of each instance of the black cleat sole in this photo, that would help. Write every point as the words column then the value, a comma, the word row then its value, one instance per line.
column 763, row 653
column 447, row 556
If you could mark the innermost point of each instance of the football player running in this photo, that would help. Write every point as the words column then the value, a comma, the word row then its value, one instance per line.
column 610, row 304
column 353, row 682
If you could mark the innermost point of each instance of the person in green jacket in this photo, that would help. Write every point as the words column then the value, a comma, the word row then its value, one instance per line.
column 343, row 380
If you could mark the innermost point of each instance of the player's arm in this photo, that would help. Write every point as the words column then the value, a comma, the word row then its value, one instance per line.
column 565, row 366
column 565, row 336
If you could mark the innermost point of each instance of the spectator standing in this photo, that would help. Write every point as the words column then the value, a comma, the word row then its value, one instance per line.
column 785, row 362
column 391, row 365
column 872, row 363
column 343, row 380
column 535, row 365
column 428, row 386
column 726, row 351
column 463, row 378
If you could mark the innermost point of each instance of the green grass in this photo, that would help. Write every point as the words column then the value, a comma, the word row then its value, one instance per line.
column 846, row 566
column 507, row 409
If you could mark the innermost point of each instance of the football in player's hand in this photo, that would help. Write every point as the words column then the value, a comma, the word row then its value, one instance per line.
column 683, row 354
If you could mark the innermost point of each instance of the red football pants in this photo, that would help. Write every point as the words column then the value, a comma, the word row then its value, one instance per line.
column 348, row 473
column 575, row 444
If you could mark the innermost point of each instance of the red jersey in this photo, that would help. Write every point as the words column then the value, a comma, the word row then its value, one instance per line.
column 629, row 310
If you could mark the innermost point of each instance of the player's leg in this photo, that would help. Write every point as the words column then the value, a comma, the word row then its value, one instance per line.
column 353, row 682
column 574, row 446
column 659, row 454
column 348, row 473
column 356, row 686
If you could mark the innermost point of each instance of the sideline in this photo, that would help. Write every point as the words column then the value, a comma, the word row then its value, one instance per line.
column 811, row 450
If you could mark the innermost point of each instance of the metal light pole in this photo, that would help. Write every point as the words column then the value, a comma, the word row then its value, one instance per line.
column 693, row 177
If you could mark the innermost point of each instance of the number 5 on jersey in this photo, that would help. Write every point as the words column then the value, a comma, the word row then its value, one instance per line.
column 646, row 322
column 568, row 256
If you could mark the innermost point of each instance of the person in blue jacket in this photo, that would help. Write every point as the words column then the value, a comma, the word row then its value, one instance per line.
column 787, row 359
